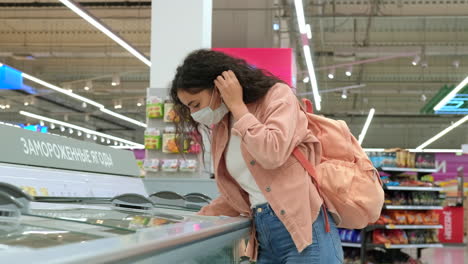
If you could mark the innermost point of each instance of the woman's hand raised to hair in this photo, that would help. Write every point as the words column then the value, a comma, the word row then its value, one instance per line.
column 231, row 92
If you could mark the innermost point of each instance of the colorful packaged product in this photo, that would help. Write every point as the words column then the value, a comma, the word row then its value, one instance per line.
column 154, row 107
column 379, row 237
column 400, row 218
column 191, row 145
column 169, row 141
column 153, row 139
column 425, row 160
column 169, row 113
column 187, row 165
column 151, row 165
column 170, row 165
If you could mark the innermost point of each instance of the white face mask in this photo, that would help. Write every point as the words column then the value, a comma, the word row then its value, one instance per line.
column 208, row 116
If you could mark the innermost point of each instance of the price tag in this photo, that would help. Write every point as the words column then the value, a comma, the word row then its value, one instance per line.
column 387, row 245
column 391, row 226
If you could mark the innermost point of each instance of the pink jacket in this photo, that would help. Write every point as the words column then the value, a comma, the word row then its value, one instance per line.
column 270, row 132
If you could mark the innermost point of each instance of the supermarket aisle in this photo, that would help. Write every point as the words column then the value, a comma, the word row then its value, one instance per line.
column 452, row 255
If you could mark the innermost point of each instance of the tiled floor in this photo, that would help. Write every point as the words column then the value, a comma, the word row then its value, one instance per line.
column 446, row 255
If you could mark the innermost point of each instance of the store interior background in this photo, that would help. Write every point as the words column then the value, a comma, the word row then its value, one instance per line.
column 47, row 40
column 402, row 54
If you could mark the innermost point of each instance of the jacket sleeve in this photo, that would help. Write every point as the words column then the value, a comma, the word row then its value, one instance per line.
column 272, row 142
column 218, row 206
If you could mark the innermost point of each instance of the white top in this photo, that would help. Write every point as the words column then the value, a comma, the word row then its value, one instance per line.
column 237, row 167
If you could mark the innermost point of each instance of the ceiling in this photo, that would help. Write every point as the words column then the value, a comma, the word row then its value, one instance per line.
column 47, row 40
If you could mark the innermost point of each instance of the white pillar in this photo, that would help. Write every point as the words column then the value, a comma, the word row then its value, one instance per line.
column 177, row 28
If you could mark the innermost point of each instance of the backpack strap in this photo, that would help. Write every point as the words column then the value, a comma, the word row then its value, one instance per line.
column 313, row 174
column 308, row 105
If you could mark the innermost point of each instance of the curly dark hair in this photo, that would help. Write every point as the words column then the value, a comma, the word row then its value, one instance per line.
column 198, row 72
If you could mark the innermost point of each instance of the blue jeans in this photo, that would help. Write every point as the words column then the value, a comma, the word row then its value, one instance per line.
column 277, row 246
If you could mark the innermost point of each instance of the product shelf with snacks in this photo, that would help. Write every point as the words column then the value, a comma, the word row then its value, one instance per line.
column 167, row 155
column 408, row 218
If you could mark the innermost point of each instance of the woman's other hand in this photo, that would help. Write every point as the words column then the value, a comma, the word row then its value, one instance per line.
column 231, row 91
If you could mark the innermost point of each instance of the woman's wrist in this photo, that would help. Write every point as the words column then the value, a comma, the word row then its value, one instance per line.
column 239, row 111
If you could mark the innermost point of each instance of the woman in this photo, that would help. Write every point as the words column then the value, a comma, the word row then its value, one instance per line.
column 257, row 122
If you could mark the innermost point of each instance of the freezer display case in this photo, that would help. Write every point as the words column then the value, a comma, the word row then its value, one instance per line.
column 58, row 213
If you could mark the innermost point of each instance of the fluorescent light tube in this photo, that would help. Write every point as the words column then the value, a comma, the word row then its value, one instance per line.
column 442, row 133
column 79, row 97
column 308, row 31
column 85, row 130
column 313, row 78
column 300, row 16
column 366, row 126
column 128, row 119
column 307, row 54
column 93, row 21
column 61, row 90
column 451, row 95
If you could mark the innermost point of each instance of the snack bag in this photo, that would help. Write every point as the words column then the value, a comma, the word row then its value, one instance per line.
column 412, row 237
column 189, row 165
column 379, row 237
column 169, row 113
column 153, row 139
column 170, row 165
column 151, row 165
column 384, row 219
column 400, row 218
column 419, row 219
column 434, row 218
column 169, row 141
column 410, row 217
column 403, row 237
column 393, row 236
column 154, row 107
column 428, row 237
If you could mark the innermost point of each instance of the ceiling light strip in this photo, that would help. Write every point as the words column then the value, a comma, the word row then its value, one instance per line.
column 61, row 90
column 313, row 78
column 95, row 22
column 305, row 36
column 366, row 126
column 85, row 130
column 451, row 95
column 84, row 99
column 442, row 133
column 128, row 119
column 300, row 16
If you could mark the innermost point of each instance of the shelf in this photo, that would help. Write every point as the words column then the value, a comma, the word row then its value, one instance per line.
column 409, row 169
column 407, row 246
column 413, row 188
column 406, row 226
column 412, row 207
column 353, row 245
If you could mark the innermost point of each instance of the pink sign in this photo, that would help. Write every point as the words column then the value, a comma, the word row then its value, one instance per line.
column 448, row 164
column 277, row 61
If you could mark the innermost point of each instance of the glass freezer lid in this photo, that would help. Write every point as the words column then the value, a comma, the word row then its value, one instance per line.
column 34, row 232
column 120, row 219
